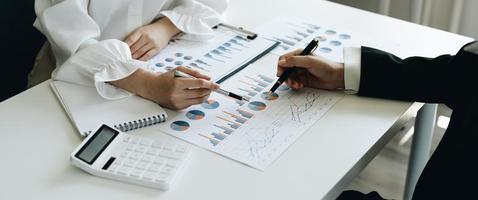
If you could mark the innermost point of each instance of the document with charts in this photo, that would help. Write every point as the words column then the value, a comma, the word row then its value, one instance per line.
column 218, row 57
column 297, row 33
column 257, row 132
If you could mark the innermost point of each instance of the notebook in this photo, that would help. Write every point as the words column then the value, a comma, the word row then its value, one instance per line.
column 87, row 110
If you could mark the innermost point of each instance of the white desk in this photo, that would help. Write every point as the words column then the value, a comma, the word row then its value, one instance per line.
column 37, row 137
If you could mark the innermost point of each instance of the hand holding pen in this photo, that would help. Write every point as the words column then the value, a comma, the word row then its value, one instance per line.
column 178, row 73
column 284, row 75
column 311, row 71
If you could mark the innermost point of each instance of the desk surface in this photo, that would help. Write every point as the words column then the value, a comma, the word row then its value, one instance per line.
column 37, row 136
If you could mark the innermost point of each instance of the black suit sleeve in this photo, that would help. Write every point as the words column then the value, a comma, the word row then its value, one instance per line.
column 444, row 79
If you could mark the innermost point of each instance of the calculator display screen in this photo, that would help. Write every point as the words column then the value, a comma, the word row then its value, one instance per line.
column 97, row 144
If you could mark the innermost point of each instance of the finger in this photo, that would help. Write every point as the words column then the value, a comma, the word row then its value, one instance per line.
column 195, row 101
column 297, row 61
column 292, row 53
column 138, row 44
column 142, row 51
column 197, row 93
column 149, row 54
column 187, row 83
column 193, row 72
column 280, row 71
column 132, row 38
column 295, row 85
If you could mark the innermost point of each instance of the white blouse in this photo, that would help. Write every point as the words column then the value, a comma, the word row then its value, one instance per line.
column 87, row 36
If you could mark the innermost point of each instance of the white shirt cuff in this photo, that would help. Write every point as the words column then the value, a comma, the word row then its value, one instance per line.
column 97, row 64
column 195, row 19
column 352, row 62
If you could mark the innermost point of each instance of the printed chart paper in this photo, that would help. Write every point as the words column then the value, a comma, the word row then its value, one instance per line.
column 216, row 57
column 297, row 33
column 257, row 132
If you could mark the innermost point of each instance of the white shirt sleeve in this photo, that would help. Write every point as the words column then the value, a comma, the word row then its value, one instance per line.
column 195, row 18
column 97, row 64
column 352, row 64
column 80, row 57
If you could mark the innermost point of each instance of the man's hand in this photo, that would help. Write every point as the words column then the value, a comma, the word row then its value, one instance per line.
column 312, row 71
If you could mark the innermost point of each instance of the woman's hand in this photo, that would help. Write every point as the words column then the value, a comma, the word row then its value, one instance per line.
column 178, row 92
column 167, row 90
column 147, row 41
column 311, row 71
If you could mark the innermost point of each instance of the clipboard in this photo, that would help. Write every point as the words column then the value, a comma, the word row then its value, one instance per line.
column 230, row 51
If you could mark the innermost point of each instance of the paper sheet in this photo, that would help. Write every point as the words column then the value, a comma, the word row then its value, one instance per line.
column 297, row 33
column 254, row 133
column 216, row 57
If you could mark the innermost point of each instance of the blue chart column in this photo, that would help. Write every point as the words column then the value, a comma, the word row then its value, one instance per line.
column 420, row 152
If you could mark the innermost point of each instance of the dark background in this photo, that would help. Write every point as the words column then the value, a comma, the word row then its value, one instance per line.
column 21, row 43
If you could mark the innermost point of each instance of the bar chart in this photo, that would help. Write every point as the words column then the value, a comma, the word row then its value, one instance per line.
column 216, row 57
column 297, row 33
column 254, row 132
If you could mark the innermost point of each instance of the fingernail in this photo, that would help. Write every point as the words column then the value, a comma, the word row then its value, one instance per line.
column 282, row 62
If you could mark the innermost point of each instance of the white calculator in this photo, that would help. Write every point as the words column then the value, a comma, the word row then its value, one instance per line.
column 112, row 154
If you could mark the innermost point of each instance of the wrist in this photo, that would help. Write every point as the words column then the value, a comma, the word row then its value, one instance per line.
column 339, row 75
column 146, row 84
column 167, row 27
column 138, row 82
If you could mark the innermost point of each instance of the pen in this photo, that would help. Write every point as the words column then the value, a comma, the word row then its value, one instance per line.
column 249, row 35
column 307, row 51
column 220, row 91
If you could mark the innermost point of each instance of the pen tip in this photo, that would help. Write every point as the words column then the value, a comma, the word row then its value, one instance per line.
column 245, row 99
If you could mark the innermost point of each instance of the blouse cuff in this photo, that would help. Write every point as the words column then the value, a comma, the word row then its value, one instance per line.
column 115, row 71
column 352, row 59
column 196, row 20
column 97, row 64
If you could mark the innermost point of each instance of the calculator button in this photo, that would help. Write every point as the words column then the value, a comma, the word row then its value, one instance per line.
column 118, row 161
column 140, row 149
column 142, row 165
column 179, row 156
column 154, row 168
column 168, row 154
column 136, row 173
column 168, row 147
column 158, row 144
column 163, row 179
column 173, row 163
column 148, row 176
column 130, row 147
column 129, row 163
column 181, row 149
column 124, row 154
column 145, row 142
column 160, row 161
column 152, row 151
column 147, row 158
column 123, row 171
column 134, row 156
column 134, row 140
column 168, row 170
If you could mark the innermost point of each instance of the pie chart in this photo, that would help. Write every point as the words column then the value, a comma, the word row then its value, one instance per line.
column 256, row 106
column 271, row 97
column 195, row 114
column 210, row 104
column 179, row 125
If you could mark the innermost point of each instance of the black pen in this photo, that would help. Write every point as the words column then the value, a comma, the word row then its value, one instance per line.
column 220, row 91
column 307, row 51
